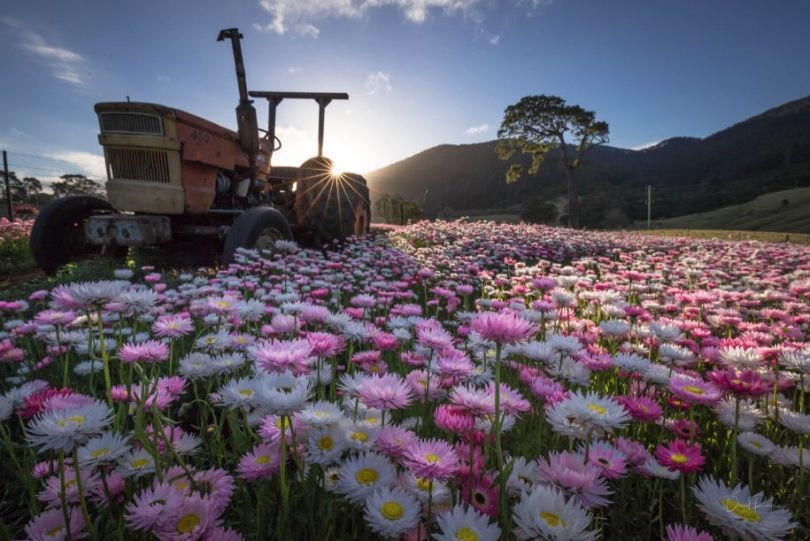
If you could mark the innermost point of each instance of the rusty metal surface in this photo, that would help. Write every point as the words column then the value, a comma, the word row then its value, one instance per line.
column 199, row 184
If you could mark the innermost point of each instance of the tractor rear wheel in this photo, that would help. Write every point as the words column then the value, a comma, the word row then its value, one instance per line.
column 332, row 206
column 57, row 236
column 258, row 228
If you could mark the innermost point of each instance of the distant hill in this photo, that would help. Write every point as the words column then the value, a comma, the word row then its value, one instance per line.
column 786, row 210
column 765, row 153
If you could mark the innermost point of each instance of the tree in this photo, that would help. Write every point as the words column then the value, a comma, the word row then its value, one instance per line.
column 538, row 124
column 396, row 210
column 72, row 184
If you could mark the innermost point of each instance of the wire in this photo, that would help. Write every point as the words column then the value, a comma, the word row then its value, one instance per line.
column 24, row 167
column 39, row 157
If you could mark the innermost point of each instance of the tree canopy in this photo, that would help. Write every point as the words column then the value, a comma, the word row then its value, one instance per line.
column 538, row 124
column 72, row 184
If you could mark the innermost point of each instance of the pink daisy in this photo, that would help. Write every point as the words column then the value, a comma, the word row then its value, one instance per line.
column 432, row 459
column 569, row 472
column 744, row 383
column 150, row 351
column 678, row 532
column 385, row 392
column 642, row 408
column 50, row 526
column 680, row 456
column 502, row 327
column 694, row 390
column 172, row 326
column 260, row 463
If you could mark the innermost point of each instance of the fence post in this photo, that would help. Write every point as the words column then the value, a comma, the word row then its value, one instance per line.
column 8, row 187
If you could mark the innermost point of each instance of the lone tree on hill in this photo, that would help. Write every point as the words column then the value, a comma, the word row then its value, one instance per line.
column 537, row 124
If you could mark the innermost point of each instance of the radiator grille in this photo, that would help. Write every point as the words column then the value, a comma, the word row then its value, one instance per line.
column 131, row 123
column 138, row 164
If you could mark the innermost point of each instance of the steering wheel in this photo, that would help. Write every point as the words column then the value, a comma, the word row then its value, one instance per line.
column 267, row 136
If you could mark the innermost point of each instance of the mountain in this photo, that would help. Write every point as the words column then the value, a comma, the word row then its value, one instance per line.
column 765, row 153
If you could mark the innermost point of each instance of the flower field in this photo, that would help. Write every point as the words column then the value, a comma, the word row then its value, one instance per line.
column 448, row 381
column 14, row 250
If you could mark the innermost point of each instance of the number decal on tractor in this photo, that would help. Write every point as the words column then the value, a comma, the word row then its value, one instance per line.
column 201, row 136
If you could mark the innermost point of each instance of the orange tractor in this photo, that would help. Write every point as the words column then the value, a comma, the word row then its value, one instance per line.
column 173, row 177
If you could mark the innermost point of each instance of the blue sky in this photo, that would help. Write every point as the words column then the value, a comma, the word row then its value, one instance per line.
column 419, row 72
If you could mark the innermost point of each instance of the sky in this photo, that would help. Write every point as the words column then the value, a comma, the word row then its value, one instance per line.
column 419, row 72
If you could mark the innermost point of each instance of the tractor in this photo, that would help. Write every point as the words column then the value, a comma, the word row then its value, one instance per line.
column 174, row 178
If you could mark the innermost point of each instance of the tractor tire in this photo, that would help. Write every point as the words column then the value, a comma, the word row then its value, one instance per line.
column 332, row 207
column 57, row 236
column 257, row 228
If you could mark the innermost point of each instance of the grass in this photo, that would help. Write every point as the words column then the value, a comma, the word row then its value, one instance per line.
column 785, row 210
column 763, row 236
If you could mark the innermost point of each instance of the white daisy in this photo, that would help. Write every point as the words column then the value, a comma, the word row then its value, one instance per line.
column 631, row 362
column 391, row 512
column 750, row 416
column 652, row 468
column 241, row 393
column 197, row 365
column 136, row 463
column 325, row 445
column 108, row 447
column 321, row 413
column 738, row 513
column 425, row 489
column 6, row 408
column 283, row 393
column 795, row 421
column 360, row 476
column 755, row 443
column 460, row 523
column 544, row 513
column 64, row 429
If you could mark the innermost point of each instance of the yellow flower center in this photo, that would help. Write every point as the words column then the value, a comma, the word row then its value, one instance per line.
column 596, row 408
column 246, row 392
column 423, row 484
column 367, row 476
column 223, row 304
column 692, row 389
column 374, row 369
column 360, row 436
column 319, row 414
column 264, row 459
column 466, row 534
column 139, row 463
column 755, row 444
column 76, row 420
column 741, row 510
column 432, row 458
column 552, row 519
column 678, row 458
column 187, row 523
column 371, row 420
column 98, row 453
column 326, row 443
column 181, row 486
column 280, row 422
column 392, row 510
column 54, row 532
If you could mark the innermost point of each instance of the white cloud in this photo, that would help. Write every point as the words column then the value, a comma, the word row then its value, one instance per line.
column 646, row 145
column 64, row 64
column 19, row 134
column 377, row 82
column 473, row 130
column 494, row 39
column 294, row 69
column 88, row 164
column 300, row 16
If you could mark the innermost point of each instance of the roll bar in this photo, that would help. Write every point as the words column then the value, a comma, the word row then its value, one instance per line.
column 274, row 98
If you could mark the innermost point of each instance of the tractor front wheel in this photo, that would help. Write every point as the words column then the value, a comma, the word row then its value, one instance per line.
column 58, row 233
column 257, row 228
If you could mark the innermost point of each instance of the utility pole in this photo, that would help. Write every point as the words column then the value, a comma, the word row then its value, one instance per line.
column 8, row 187
column 649, row 204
